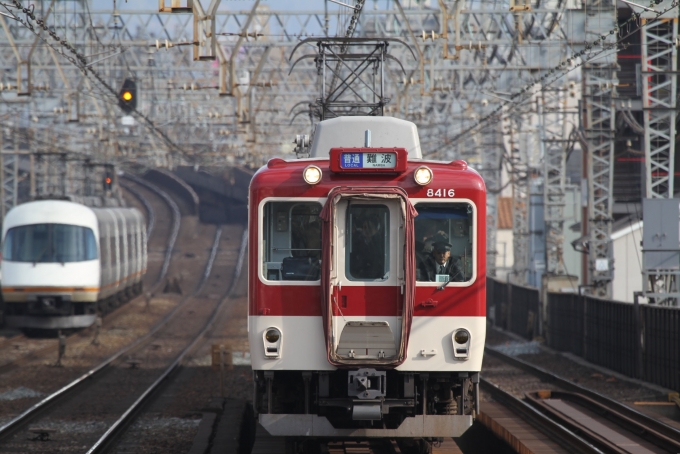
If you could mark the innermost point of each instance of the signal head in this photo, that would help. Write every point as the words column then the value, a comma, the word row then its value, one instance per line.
column 127, row 96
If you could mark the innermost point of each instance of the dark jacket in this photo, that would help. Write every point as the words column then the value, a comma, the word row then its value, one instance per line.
column 427, row 270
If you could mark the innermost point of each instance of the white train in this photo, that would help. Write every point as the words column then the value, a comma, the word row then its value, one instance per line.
column 63, row 263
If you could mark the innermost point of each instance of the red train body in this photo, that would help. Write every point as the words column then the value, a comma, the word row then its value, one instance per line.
column 355, row 328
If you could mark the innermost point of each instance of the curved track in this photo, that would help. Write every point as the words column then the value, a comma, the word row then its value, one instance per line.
column 150, row 217
column 176, row 216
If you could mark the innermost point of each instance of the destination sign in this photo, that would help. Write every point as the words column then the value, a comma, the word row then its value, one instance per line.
column 368, row 160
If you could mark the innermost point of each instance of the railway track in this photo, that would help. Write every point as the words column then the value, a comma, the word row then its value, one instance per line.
column 112, row 385
column 136, row 439
column 582, row 419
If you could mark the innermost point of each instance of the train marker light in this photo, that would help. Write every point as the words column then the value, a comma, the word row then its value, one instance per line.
column 272, row 335
column 312, row 174
column 461, row 336
column 272, row 343
column 423, row 175
column 461, row 344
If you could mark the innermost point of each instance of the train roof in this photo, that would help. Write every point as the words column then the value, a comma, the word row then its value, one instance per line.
column 347, row 132
column 282, row 178
column 63, row 212
column 49, row 211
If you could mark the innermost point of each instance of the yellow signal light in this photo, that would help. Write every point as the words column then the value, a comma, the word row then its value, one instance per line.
column 127, row 96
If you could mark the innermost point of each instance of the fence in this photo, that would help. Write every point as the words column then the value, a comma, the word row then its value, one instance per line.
column 640, row 341
column 515, row 308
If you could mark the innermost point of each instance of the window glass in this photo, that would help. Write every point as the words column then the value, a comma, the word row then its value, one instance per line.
column 291, row 241
column 121, row 249
column 367, row 248
column 49, row 243
column 444, row 239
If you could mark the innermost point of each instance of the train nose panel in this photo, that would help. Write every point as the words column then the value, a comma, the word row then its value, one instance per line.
column 367, row 340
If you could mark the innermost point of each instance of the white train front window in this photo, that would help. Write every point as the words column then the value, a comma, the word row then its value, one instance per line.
column 291, row 243
column 49, row 243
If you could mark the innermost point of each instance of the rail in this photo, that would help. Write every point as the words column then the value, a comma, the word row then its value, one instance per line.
column 614, row 406
column 538, row 419
column 630, row 424
column 117, row 429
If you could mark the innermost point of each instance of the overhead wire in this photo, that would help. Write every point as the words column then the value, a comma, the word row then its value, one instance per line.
column 81, row 63
column 565, row 67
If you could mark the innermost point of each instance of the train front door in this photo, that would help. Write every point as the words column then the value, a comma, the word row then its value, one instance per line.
column 367, row 279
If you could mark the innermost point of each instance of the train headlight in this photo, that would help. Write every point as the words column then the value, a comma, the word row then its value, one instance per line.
column 461, row 343
column 312, row 174
column 423, row 175
column 271, row 339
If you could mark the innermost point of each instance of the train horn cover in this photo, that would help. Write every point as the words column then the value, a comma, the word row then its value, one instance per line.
column 312, row 174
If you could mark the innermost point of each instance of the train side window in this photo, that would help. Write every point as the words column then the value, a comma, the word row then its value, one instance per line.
column 121, row 249
column 291, row 243
column 367, row 244
column 114, row 259
column 444, row 242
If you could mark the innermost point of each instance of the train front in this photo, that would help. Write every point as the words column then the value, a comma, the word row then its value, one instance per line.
column 50, row 266
column 367, row 287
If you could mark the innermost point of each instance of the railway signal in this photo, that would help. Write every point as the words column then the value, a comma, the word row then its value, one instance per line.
column 127, row 97
column 108, row 182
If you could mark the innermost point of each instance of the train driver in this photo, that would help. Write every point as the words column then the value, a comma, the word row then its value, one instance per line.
column 439, row 266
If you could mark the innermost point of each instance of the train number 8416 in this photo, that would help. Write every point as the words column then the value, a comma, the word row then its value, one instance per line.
column 441, row 193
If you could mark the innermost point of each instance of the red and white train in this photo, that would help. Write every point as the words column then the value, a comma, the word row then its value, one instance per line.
column 351, row 335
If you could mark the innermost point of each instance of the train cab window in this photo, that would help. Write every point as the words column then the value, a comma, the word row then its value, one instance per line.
column 444, row 242
column 291, row 242
column 49, row 243
column 367, row 243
